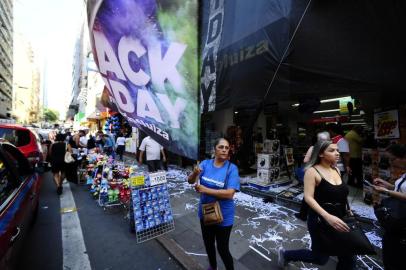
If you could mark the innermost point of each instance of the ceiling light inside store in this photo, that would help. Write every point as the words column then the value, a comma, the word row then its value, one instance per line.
column 327, row 111
column 235, row 112
column 326, row 100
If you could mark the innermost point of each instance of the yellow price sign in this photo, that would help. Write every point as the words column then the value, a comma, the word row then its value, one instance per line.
column 138, row 180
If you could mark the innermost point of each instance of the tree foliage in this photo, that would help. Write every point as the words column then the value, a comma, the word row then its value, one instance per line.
column 50, row 115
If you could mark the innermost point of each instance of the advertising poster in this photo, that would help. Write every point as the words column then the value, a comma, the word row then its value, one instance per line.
column 386, row 125
column 147, row 54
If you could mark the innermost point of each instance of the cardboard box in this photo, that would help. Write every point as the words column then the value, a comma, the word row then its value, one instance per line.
column 267, row 161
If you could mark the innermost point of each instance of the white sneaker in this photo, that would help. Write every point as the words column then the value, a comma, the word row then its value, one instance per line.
column 281, row 258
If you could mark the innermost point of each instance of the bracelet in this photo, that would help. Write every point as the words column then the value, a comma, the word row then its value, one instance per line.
column 386, row 192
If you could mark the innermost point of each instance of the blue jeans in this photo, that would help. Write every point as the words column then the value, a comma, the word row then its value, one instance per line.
column 310, row 256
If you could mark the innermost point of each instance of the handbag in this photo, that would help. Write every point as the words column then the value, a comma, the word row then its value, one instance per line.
column 391, row 212
column 335, row 243
column 212, row 211
column 68, row 157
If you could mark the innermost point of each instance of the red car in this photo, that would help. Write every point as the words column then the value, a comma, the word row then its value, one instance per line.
column 19, row 192
column 26, row 140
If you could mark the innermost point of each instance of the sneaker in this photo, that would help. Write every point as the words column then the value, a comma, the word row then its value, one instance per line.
column 281, row 257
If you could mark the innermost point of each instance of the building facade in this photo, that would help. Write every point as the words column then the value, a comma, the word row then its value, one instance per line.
column 26, row 83
column 6, row 57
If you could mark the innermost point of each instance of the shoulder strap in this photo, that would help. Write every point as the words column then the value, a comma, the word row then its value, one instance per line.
column 226, row 178
column 401, row 183
column 318, row 172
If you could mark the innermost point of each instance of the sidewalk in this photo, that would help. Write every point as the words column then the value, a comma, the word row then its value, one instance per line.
column 259, row 229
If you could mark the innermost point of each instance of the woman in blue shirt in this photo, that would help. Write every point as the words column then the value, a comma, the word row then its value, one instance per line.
column 213, row 174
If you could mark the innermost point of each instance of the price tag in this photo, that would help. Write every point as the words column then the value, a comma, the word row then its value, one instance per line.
column 138, row 180
column 157, row 178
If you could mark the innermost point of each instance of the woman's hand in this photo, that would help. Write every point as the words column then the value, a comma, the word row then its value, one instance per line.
column 196, row 170
column 380, row 189
column 337, row 223
column 200, row 188
column 381, row 183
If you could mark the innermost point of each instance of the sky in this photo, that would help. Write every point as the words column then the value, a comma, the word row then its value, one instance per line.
column 52, row 27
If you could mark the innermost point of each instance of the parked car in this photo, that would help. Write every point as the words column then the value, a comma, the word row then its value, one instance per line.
column 19, row 199
column 25, row 139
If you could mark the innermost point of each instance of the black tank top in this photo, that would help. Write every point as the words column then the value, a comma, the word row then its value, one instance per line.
column 332, row 198
column 58, row 152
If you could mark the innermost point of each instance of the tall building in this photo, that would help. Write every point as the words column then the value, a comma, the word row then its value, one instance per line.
column 78, row 101
column 6, row 57
column 26, row 83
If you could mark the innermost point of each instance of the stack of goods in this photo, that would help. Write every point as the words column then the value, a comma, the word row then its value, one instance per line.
column 268, row 170
column 109, row 181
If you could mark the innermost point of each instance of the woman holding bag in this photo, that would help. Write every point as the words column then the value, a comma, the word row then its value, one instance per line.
column 322, row 186
column 218, row 182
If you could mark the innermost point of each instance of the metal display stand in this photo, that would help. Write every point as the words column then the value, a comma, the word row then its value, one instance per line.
column 152, row 213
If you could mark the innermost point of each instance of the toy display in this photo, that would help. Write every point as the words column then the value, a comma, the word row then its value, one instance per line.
column 146, row 196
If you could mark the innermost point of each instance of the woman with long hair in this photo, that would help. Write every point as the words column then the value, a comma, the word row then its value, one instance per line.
column 322, row 186
column 217, row 180
column 57, row 154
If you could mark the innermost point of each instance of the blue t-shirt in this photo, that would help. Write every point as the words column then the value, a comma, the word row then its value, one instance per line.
column 213, row 177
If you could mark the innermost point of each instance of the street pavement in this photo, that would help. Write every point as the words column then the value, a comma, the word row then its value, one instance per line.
column 101, row 238
column 108, row 242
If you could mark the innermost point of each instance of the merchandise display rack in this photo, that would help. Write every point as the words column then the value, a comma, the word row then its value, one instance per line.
column 151, row 208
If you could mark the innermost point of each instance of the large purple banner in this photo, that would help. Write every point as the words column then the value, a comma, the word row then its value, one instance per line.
column 147, row 54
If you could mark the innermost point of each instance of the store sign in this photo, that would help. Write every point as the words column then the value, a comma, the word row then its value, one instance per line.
column 157, row 178
column 386, row 125
column 147, row 56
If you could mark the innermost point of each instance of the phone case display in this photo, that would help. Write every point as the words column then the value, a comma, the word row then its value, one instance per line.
column 267, row 161
column 152, row 210
column 268, row 176
column 272, row 146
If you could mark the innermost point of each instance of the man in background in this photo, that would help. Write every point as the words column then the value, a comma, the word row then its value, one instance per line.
column 336, row 135
column 355, row 143
column 153, row 154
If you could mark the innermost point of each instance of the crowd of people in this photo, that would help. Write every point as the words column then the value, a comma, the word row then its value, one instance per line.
column 331, row 164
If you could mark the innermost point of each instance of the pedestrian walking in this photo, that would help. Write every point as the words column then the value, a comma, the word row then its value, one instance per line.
column 57, row 153
column 72, row 168
column 108, row 145
column 323, row 187
column 153, row 154
column 120, row 145
column 304, row 207
column 394, row 241
column 217, row 180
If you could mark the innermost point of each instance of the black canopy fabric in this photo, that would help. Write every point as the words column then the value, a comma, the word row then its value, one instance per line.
column 340, row 47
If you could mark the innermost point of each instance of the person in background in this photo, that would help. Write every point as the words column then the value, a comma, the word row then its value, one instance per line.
column 108, row 145
column 57, row 157
column 304, row 207
column 323, row 185
column 99, row 140
column 344, row 149
column 355, row 141
column 72, row 168
column 153, row 154
column 212, row 186
column 120, row 145
column 91, row 143
column 394, row 242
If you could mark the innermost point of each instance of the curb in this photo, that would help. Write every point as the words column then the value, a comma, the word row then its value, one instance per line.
column 178, row 253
